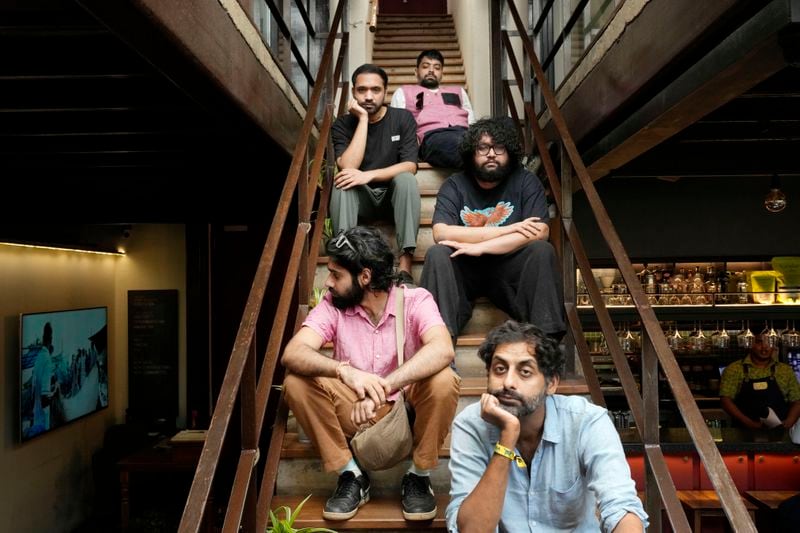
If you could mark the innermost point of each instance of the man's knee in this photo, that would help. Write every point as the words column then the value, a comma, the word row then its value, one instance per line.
column 442, row 386
column 541, row 250
column 406, row 182
column 438, row 254
column 294, row 387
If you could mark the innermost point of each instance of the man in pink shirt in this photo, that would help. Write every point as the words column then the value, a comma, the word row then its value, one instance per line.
column 332, row 397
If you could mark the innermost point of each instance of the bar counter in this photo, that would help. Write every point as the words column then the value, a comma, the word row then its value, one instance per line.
column 677, row 440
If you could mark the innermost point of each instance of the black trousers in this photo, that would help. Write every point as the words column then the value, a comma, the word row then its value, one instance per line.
column 525, row 284
column 439, row 148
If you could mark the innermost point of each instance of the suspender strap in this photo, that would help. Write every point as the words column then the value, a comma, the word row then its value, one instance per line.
column 399, row 323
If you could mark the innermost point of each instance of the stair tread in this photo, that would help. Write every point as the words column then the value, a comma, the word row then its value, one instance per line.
column 379, row 513
column 450, row 63
column 407, row 46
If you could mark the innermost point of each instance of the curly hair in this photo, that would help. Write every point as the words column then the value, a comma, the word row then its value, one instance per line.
column 370, row 250
column 549, row 356
column 369, row 68
column 501, row 130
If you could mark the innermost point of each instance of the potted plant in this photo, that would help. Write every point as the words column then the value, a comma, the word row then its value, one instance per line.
column 286, row 524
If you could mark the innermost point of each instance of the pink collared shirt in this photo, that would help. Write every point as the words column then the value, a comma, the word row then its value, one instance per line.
column 370, row 347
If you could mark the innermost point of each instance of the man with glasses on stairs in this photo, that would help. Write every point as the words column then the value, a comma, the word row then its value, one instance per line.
column 527, row 459
column 490, row 226
column 376, row 151
column 332, row 397
column 442, row 112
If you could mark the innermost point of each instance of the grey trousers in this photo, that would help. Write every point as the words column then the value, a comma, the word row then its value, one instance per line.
column 525, row 284
column 399, row 202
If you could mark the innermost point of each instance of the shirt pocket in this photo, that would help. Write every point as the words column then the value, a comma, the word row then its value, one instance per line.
column 564, row 508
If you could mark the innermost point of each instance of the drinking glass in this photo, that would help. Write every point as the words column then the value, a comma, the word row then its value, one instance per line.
column 773, row 339
column 790, row 337
column 745, row 338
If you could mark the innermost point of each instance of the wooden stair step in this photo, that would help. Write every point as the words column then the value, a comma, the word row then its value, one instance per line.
column 386, row 17
column 414, row 50
column 450, row 63
column 409, row 54
column 378, row 514
column 397, row 30
column 413, row 38
column 391, row 25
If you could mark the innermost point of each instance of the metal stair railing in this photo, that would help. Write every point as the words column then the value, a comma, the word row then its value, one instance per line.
column 248, row 504
column 655, row 349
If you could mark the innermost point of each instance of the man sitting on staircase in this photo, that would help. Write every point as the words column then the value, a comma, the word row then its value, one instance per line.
column 376, row 150
column 490, row 223
column 333, row 397
column 527, row 459
column 442, row 112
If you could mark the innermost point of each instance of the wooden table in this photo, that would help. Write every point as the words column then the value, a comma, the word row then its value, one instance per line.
column 163, row 458
column 706, row 502
column 769, row 500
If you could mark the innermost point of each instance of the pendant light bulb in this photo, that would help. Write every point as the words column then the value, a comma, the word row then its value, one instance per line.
column 775, row 201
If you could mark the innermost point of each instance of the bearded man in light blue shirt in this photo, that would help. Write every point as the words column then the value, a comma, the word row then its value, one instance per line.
column 527, row 459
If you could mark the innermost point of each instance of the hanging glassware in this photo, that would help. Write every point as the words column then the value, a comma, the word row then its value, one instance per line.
column 745, row 338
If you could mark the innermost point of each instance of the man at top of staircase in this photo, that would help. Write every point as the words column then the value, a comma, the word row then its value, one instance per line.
column 442, row 112
column 376, row 151
column 332, row 397
column 490, row 225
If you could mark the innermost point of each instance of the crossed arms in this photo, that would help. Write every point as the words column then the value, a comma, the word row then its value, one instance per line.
column 496, row 240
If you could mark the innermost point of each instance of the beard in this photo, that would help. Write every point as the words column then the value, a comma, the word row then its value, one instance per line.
column 499, row 173
column 429, row 82
column 349, row 299
column 526, row 406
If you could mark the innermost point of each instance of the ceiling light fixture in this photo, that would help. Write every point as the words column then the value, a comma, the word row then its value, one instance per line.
column 63, row 249
column 775, row 201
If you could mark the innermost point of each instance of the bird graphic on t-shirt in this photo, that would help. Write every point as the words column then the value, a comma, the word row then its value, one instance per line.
column 489, row 216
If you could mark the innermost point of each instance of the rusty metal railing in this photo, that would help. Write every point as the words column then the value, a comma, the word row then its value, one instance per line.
column 248, row 504
column 655, row 349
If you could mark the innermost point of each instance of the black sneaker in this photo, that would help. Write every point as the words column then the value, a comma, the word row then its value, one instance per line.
column 351, row 493
column 418, row 500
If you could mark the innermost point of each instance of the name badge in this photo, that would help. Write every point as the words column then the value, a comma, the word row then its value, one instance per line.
column 395, row 138
column 760, row 385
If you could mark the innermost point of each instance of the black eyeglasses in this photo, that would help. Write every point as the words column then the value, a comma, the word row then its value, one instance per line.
column 342, row 240
column 420, row 100
column 483, row 149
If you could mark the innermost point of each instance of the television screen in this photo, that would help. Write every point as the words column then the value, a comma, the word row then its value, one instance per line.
column 793, row 358
column 63, row 368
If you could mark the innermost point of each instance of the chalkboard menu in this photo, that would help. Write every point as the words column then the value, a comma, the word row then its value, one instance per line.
column 153, row 356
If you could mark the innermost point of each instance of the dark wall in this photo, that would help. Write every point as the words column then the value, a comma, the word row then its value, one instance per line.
column 693, row 218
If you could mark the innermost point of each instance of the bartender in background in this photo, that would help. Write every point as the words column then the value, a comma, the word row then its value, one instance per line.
column 758, row 383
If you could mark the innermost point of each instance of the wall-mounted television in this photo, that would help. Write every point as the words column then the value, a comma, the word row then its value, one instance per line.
column 63, row 368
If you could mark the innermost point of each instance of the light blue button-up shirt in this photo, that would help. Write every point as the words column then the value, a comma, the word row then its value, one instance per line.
column 578, row 470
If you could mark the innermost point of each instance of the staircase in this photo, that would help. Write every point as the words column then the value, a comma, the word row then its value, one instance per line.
column 399, row 40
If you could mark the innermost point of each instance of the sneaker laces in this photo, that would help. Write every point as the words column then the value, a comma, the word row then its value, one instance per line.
column 414, row 485
column 347, row 487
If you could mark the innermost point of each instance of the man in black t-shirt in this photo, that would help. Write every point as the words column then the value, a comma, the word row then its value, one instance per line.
column 376, row 150
column 491, row 229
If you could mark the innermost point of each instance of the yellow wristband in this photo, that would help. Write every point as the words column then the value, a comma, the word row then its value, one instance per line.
column 502, row 451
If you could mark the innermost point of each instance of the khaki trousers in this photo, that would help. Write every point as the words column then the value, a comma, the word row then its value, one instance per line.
column 322, row 407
